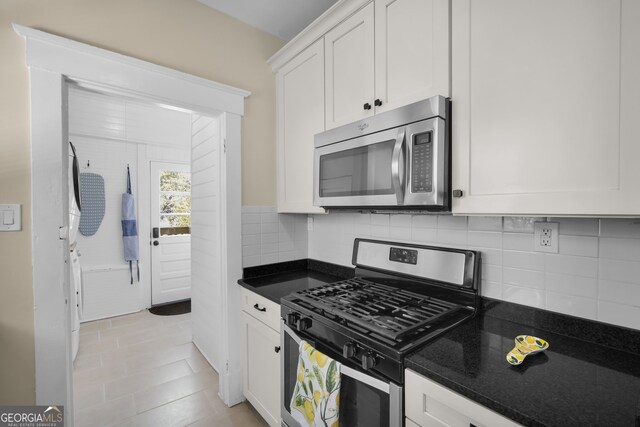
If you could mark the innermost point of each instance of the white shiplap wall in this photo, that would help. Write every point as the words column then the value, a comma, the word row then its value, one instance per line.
column 205, row 239
column 269, row 237
column 595, row 275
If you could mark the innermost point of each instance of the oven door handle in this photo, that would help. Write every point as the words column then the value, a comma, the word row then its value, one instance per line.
column 395, row 167
column 344, row 370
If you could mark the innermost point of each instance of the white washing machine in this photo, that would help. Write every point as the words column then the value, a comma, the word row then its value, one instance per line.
column 75, row 269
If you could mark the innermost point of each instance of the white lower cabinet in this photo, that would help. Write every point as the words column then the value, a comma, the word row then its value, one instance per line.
column 262, row 367
column 428, row 404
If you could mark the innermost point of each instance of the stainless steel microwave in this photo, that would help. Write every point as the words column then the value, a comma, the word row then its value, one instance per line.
column 397, row 160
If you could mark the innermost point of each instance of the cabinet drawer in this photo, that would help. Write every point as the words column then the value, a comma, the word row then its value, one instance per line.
column 261, row 308
column 430, row 404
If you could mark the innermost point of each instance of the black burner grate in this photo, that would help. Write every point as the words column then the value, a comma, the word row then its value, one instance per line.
column 390, row 312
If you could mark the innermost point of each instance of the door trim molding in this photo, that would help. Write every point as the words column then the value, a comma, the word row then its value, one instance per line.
column 52, row 62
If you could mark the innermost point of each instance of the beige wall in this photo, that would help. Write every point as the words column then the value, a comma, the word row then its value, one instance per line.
column 181, row 34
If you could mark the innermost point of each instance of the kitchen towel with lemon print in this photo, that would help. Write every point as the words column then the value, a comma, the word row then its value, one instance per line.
column 316, row 397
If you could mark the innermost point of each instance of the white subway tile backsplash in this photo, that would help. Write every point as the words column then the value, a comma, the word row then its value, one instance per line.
column 622, row 249
column 523, row 278
column 269, row 248
column 452, row 237
column 519, row 224
column 270, row 258
column 586, row 246
column 524, row 260
column 426, row 236
column 572, row 285
column 489, row 239
column 517, row 241
column 485, row 223
column 620, row 271
column 269, row 217
column 525, row 296
column 379, row 230
column 250, row 229
column 620, row 292
column 269, row 237
column 286, row 246
column 491, row 289
column 380, row 220
column 451, row 222
column 619, row 314
column 400, row 221
column 250, row 239
column 400, row 233
column 269, row 227
column 572, row 305
column 251, row 218
column 492, row 273
column 251, row 261
column 577, row 226
column 251, row 250
column 573, row 265
column 424, row 221
column 610, row 227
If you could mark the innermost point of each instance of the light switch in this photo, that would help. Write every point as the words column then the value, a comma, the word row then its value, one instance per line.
column 7, row 217
column 10, row 217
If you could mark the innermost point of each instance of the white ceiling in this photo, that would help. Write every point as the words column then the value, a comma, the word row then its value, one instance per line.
column 282, row 18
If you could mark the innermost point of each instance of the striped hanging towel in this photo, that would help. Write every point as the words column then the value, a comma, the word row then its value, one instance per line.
column 130, row 229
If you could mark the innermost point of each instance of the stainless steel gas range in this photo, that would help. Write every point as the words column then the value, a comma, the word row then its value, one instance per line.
column 403, row 295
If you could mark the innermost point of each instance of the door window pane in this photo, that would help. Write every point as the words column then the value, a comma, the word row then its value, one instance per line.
column 175, row 203
column 362, row 171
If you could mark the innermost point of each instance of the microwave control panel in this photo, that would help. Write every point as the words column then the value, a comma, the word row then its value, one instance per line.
column 422, row 163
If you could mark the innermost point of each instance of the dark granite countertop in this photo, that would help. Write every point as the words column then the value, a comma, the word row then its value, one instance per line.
column 593, row 380
column 275, row 281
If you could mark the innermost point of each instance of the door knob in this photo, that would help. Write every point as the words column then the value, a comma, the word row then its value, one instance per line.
column 156, row 243
column 377, row 102
column 367, row 106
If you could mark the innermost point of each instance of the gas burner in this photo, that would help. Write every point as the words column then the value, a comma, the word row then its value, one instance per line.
column 390, row 312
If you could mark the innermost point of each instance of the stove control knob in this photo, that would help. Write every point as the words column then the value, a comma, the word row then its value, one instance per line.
column 290, row 318
column 349, row 350
column 368, row 361
column 304, row 323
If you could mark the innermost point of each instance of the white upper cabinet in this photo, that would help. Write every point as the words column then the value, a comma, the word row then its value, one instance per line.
column 412, row 51
column 546, row 100
column 349, row 69
column 300, row 115
column 388, row 54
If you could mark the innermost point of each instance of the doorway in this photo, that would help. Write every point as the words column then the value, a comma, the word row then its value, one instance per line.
column 52, row 62
column 171, row 232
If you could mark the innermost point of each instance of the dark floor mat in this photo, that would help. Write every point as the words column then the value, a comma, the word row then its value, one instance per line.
column 172, row 309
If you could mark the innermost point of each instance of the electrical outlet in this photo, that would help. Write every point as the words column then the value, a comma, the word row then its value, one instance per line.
column 545, row 237
column 309, row 223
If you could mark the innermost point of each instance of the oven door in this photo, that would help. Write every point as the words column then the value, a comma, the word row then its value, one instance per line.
column 364, row 171
column 365, row 401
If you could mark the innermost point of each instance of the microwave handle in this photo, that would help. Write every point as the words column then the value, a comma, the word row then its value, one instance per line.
column 395, row 167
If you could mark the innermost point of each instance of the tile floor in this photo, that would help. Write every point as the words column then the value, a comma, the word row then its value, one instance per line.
column 143, row 370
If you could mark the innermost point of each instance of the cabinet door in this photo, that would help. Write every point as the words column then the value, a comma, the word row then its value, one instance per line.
column 412, row 51
column 349, row 62
column 262, row 368
column 300, row 115
column 545, row 106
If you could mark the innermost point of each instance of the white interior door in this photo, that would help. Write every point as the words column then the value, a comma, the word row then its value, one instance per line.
column 170, row 232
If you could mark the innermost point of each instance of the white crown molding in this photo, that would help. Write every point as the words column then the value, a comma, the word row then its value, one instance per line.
column 318, row 28
column 82, row 62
